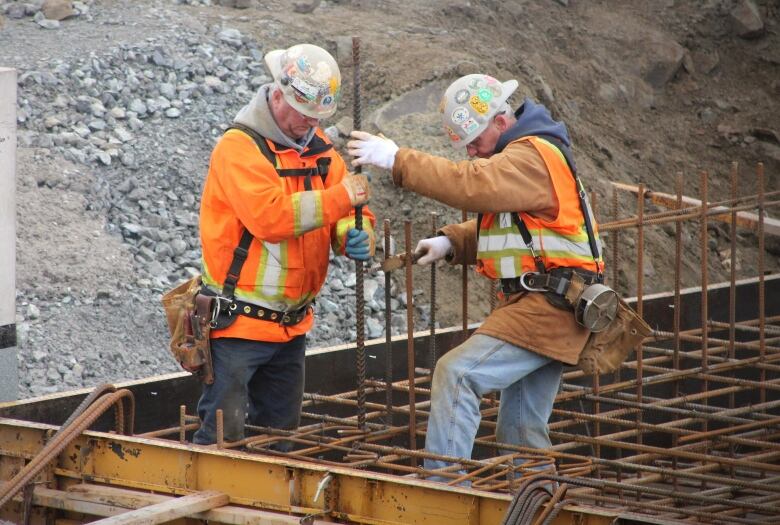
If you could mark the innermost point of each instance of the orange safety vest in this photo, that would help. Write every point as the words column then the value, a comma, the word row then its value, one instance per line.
column 561, row 243
column 293, row 228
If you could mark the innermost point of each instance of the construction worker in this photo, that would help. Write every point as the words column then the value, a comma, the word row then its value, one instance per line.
column 276, row 185
column 522, row 179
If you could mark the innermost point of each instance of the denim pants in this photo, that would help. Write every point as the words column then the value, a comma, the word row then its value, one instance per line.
column 482, row 364
column 263, row 380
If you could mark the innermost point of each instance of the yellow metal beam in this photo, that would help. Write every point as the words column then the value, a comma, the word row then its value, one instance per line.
column 269, row 483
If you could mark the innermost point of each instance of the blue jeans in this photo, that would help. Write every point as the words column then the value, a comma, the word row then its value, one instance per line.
column 262, row 379
column 528, row 383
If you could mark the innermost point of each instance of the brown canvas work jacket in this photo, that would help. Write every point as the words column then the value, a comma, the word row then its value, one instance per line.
column 516, row 179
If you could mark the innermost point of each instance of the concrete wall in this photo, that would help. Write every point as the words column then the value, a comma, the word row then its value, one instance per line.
column 8, row 367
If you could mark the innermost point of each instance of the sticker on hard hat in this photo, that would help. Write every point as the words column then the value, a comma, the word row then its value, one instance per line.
column 327, row 100
column 485, row 95
column 305, row 88
column 453, row 136
column 470, row 126
column 303, row 65
column 462, row 96
column 476, row 83
column 460, row 115
column 478, row 105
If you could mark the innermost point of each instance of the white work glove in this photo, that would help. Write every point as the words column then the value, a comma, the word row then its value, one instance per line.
column 433, row 249
column 372, row 149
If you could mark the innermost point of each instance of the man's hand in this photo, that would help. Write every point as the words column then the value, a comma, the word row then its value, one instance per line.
column 358, row 189
column 375, row 150
column 433, row 249
column 359, row 245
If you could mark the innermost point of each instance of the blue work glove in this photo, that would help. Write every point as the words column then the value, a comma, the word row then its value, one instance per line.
column 358, row 245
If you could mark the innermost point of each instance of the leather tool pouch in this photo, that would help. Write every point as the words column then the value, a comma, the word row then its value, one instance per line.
column 189, row 328
column 606, row 350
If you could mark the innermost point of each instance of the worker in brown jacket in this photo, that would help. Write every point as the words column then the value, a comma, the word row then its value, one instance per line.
column 533, row 221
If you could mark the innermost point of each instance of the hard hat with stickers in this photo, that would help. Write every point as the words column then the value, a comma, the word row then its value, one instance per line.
column 309, row 78
column 469, row 104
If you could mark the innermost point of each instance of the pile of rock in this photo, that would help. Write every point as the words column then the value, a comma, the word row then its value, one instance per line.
column 141, row 121
column 46, row 13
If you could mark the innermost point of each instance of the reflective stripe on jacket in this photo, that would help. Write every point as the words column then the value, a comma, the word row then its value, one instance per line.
column 293, row 228
column 561, row 242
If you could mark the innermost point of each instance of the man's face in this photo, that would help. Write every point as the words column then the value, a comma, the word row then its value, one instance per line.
column 485, row 144
column 292, row 123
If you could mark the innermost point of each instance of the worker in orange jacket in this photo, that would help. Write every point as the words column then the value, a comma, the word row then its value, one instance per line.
column 276, row 199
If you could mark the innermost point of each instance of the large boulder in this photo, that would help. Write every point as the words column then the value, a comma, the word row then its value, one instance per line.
column 663, row 58
column 746, row 20
column 58, row 9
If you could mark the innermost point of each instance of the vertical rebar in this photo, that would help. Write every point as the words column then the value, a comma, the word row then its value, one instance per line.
column 615, row 256
column 596, row 376
column 704, row 238
column 761, row 284
column 360, row 350
column 465, row 288
column 410, row 339
column 640, row 281
column 733, row 289
column 388, row 332
column 220, row 429
column 615, row 274
column 432, row 357
column 615, row 234
column 182, row 423
column 677, row 306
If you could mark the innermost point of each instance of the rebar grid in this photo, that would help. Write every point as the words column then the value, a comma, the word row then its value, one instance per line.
column 688, row 430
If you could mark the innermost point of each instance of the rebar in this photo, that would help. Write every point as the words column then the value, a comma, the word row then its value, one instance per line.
column 410, row 338
column 360, row 321
column 388, row 331
column 710, row 450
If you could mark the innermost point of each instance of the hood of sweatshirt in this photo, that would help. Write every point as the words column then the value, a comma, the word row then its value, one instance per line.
column 257, row 115
column 533, row 120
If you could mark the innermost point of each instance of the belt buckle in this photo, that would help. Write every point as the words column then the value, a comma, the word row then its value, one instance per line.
column 525, row 286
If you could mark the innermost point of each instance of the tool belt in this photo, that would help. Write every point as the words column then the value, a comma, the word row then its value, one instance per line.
column 556, row 281
column 225, row 311
column 189, row 322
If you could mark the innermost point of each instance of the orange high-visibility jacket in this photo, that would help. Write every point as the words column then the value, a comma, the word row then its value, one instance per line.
column 561, row 242
column 293, row 229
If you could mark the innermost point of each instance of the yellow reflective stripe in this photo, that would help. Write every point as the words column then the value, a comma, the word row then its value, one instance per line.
column 554, row 148
column 307, row 211
column 206, row 277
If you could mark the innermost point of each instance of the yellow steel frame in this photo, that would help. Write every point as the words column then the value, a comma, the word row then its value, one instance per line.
column 265, row 482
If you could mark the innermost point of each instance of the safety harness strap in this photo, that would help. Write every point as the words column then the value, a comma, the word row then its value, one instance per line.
column 239, row 258
column 323, row 163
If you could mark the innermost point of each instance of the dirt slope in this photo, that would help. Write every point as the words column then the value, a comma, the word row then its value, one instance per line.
column 647, row 89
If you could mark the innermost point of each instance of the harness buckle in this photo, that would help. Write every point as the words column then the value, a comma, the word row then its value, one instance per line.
column 529, row 287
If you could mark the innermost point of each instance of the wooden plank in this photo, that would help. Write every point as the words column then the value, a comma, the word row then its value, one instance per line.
column 104, row 501
column 169, row 510
column 667, row 200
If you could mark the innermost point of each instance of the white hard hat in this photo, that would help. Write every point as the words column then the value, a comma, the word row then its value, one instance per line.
column 309, row 78
column 469, row 104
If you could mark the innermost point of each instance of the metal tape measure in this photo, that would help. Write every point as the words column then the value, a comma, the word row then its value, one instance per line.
column 596, row 308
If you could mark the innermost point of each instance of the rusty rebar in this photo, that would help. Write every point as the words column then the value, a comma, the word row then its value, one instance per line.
column 388, row 330
column 465, row 288
column 64, row 437
column 432, row 357
column 360, row 326
column 410, row 337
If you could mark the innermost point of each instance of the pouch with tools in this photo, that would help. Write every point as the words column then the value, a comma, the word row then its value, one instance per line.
column 192, row 314
column 189, row 322
column 615, row 328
